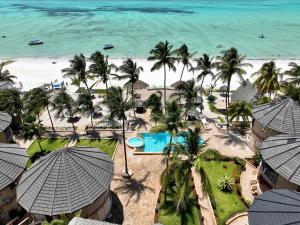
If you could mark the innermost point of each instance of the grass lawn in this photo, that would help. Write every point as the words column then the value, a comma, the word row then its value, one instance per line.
column 227, row 204
column 106, row 145
column 48, row 145
column 100, row 91
column 172, row 218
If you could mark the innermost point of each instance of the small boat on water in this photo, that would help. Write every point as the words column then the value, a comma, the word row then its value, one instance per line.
column 35, row 42
column 108, row 46
column 261, row 36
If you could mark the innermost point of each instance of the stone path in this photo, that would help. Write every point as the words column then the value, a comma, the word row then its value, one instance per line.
column 246, row 176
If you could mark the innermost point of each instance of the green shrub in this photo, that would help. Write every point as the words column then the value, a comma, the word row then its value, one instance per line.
column 206, row 188
column 213, row 108
column 212, row 154
column 225, row 183
column 221, row 119
column 257, row 158
column 211, row 99
column 240, row 162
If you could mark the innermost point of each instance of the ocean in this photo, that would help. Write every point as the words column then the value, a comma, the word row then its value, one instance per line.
column 134, row 26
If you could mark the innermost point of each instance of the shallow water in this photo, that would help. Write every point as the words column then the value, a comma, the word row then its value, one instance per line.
column 135, row 26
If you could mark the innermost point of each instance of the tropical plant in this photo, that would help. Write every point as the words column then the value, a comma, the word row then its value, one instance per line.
column 268, row 80
column 240, row 110
column 154, row 102
column 101, row 69
column 294, row 73
column 257, row 157
column 164, row 57
column 5, row 74
column 189, row 90
column 228, row 65
column 34, row 129
column 131, row 72
column 225, row 183
column 85, row 105
column 210, row 88
column 63, row 220
column 63, row 103
column 292, row 91
column 211, row 99
column 36, row 100
column 118, row 106
column 205, row 66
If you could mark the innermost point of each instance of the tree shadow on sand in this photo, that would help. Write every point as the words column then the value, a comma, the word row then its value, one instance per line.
column 132, row 187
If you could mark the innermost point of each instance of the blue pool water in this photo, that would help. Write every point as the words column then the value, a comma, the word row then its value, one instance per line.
column 135, row 26
column 136, row 142
column 155, row 142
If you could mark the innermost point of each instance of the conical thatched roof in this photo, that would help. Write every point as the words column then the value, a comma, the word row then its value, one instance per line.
column 65, row 181
column 13, row 160
column 275, row 207
column 282, row 116
column 246, row 92
column 5, row 120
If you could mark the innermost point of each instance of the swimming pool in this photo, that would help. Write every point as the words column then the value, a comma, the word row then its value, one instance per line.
column 155, row 142
column 135, row 142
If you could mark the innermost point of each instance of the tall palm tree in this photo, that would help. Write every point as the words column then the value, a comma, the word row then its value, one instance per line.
column 63, row 101
column 154, row 103
column 205, row 66
column 36, row 100
column 5, row 75
column 268, row 80
column 118, row 106
column 240, row 110
column 228, row 65
column 77, row 71
column 101, row 68
column 294, row 73
column 34, row 129
column 131, row 72
column 85, row 104
column 189, row 90
column 164, row 57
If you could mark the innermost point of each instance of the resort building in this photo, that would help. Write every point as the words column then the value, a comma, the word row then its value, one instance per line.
column 68, row 180
column 275, row 207
column 13, row 160
column 278, row 117
column 5, row 131
column 139, row 84
column 246, row 92
column 280, row 165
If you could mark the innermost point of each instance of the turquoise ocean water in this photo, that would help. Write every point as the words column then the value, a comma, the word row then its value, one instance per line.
column 135, row 26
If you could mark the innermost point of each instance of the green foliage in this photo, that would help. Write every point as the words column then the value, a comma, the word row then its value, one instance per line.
column 154, row 103
column 211, row 99
column 240, row 162
column 257, row 158
column 240, row 110
column 225, row 183
column 293, row 92
column 211, row 154
column 221, row 119
column 5, row 74
column 106, row 145
column 206, row 187
column 213, row 108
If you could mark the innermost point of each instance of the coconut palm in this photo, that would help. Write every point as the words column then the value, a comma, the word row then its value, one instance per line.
column 131, row 72
column 294, row 73
column 64, row 102
column 85, row 105
column 34, row 129
column 36, row 100
column 268, row 80
column 118, row 106
column 205, row 66
column 101, row 69
column 154, row 103
column 164, row 57
column 240, row 110
column 189, row 91
column 228, row 65
column 77, row 71
column 5, row 74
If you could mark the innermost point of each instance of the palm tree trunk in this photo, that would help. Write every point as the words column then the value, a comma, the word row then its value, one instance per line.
column 180, row 82
column 124, row 144
column 201, row 106
column 47, row 107
column 92, row 122
column 165, row 91
column 227, row 104
column 74, row 128
column 87, row 88
column 132, row 99
column 106, row 88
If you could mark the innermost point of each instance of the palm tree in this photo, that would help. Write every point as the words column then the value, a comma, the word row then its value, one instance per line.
column 63, row 101
column 164, row 57
column 205, row 67
column 268, row 80
column 101, row 68
column 77, row 71
column 118, row 105
column 5, row 75
column 240, row 110
column 131, row 72
column 34, row 129
column 189, row 91
column 154, row 103
column 85, row 104
column 36, row 100
column 228, row 65
column 294, row 73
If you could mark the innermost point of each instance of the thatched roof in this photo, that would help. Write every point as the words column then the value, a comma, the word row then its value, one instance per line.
column 137, row 85
column 246, row 92
column 5, row 120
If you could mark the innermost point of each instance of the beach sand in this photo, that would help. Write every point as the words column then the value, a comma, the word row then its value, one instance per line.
column 33, row 72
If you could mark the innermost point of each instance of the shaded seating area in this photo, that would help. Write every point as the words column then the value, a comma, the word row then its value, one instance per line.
column 65, row 181
column 275, row 207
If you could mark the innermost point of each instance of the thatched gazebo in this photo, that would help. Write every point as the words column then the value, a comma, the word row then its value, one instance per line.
column 245, row 92
column 68, row 180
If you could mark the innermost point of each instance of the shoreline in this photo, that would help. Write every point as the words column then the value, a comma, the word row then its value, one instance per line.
column 33, row 72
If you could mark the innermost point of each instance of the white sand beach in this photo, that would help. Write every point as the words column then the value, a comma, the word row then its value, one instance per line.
column 33, row 72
